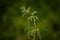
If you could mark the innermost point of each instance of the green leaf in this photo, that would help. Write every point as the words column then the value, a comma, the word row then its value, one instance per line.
column 28, row 28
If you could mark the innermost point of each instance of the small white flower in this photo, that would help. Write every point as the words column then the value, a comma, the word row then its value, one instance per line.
column 36, row 17
column 28, row 10
column 23, row 7
column 25, row 11
column 34, row 12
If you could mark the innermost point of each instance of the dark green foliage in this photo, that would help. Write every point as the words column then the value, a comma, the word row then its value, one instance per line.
column 12, row 23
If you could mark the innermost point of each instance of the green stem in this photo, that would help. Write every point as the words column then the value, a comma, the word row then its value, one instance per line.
column 34, row 31
column 34, row 36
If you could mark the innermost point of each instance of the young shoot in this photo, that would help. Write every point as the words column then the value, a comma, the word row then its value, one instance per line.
column 32, row 28
column 24, row 10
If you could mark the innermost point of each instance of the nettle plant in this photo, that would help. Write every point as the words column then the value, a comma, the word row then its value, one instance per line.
column 32, row 20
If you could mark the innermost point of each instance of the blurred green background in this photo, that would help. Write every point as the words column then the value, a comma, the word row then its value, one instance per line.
column 12, row 23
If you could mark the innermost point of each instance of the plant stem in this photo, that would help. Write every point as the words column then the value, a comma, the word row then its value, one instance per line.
column 39, row 34
column 34, row 31
column 34, row 36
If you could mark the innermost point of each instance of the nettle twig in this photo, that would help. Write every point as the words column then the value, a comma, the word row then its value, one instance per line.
column 31, row 22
